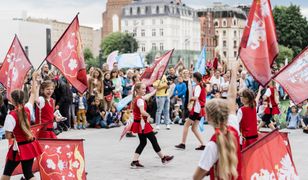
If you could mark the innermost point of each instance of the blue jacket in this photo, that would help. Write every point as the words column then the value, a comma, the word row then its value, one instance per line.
column 84, row 100
column 180, row 90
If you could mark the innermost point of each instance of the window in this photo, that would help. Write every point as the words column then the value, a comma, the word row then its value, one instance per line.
column 131, row 11
column 161, row 46
column 138, row 10
column 142, row 32
column 153, row 32
column 234, row 22
column 234, row 44
column 157, row 10
column 154, row 47
column 225, row 53
column 216, row 23
column 161, row 32
column 234, row 33
column 135, row 32
column 224, row 23
column 143, row 47
column 235, row 53
column 224, row 43
column 224, row 33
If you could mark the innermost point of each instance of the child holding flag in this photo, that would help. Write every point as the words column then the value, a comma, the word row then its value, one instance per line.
column 142, row 127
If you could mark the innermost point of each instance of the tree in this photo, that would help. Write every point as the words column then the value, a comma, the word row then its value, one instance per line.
column 89, row 58
column 284, row 52
column 123, row 42
column 291, row 27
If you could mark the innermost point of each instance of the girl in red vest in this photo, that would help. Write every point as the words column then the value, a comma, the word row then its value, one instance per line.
column 271, row 96
column 17, row 126
column 197, row 111
column 221, row 157
column 142, row 127
column 247, row 117
column 45, row 109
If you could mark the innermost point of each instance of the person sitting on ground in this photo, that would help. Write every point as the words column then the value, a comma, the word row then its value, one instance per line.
column 177, row 114
column 293, row 119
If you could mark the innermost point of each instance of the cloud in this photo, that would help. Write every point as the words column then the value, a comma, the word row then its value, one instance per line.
column 304, row 11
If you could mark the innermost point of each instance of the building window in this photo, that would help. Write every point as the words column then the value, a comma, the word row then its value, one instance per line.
column 142, row 32
column 234, row 22
column 142, row 10
column 154, row 48
column 138, row 10
column 135, row 32
column 161, row 21
column 234, row 44
column 234, row 33
column 225, row 53
column 131, row 11
column 153, row 21
column 235, row 53
column 161, row 46
column 157, row 10
column 224, row 23
column 224, row 43
column 143, row 47
column 216, row 24
column 153, row 32
column 224, row 33
column 161, row 32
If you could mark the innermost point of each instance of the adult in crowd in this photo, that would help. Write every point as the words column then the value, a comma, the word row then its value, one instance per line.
column 162, row 101
column 128, row 83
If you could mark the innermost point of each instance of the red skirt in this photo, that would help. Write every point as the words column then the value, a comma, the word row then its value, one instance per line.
column 136, row 128
column 26, row 151
column 273, row 110
column 47, row 134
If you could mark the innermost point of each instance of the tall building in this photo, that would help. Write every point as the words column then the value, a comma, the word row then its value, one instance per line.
column 229, row 23
column 112, row 16
column 208, row 37
column 88, row 35
column 162, row 25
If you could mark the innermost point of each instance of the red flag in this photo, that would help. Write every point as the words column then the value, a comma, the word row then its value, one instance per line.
column 62, row 158
column 157, row 69
column 67, row 56
column 294, row 77
column 269, row 158
column 14, row 68
column 259, row 45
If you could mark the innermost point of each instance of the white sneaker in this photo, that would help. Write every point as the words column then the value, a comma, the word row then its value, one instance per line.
column 168, row 127
column 157, row 127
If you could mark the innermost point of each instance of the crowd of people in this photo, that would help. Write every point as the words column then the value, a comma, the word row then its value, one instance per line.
column 228, row 98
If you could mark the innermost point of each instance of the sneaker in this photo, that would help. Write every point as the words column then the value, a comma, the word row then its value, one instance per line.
column 83, row 127
column 200, row 148
column 130, row 135
column 75, row 126
column 166, row 159
column 79, row 126
column 136, row 164
column 168, row 127
column 180, row 146
column 157, row 127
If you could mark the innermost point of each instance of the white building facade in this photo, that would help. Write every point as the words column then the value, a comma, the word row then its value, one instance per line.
column 229, row 23
column 33, row 37
column 161, row 25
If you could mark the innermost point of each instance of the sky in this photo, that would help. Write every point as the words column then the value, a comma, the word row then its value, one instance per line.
column 91, row 10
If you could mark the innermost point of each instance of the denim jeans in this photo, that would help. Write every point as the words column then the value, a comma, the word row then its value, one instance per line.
column 163, row 106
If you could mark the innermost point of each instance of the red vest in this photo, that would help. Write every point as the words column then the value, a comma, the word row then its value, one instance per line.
column 46, row 115
column 272, row 97
column 18, row 132
column 271, row 100
column 202, row 97
column 214, row 176
column 136, row 110
column 248, row 125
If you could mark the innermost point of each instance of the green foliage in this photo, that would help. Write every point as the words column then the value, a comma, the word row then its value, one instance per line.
column 123, row 42
column 89, row 58
column 284, row 52
column 291, row 27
